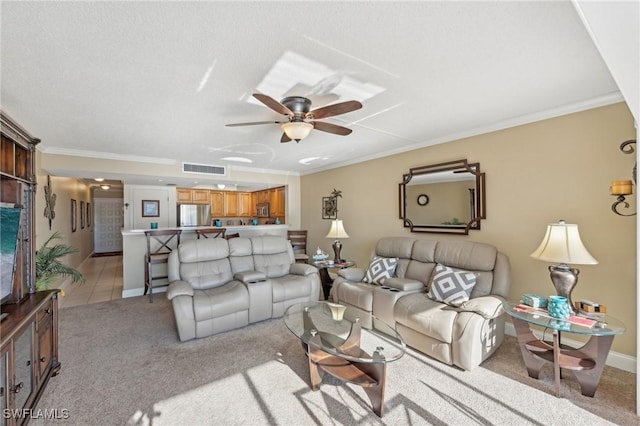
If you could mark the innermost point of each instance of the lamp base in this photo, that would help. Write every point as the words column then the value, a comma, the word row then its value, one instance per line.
column 337, row 246
column 564, row 280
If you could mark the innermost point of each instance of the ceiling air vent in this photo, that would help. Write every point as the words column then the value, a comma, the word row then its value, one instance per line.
column 204, row 169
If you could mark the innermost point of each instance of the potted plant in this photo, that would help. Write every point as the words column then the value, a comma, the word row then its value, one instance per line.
column 49, row 267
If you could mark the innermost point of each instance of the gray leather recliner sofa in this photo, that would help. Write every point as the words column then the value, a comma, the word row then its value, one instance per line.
column 219, row 285
column 463, row 335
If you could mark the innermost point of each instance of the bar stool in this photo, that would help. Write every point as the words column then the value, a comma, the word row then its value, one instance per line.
column 298, row 241
column 158, row 255
column 213, row 232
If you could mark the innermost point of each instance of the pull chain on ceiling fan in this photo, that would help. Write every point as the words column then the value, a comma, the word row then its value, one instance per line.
column 301, row 119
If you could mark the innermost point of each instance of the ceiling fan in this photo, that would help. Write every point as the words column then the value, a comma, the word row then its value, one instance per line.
column 301, row 118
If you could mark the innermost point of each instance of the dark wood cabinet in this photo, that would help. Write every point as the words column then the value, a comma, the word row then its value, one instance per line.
column 29, row 353
column 17, row 189
column 29, row 332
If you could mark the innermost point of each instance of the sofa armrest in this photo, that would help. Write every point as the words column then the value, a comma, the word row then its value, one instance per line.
column 179, row 288
column 248, row 277
column 302, row 269
column 486, row 306
column 352, row 274
column 404, row 284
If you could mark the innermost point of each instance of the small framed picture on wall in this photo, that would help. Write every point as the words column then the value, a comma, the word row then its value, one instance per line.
column 74, row 215
column 150, row 208
column 81, row 214
column 88, row 215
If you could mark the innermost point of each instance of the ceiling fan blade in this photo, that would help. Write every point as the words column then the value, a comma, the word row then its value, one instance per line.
column 285, row 138
column 253, row 123
column 273, row 104
column 335, row 109
column 331, row 128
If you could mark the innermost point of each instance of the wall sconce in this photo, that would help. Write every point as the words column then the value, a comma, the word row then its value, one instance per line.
column 620, row 188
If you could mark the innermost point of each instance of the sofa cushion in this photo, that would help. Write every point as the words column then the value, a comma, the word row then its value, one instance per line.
column 359, row 295
column 291, row 287
column 193, row 251
column 218, row 302
column 450, row 286
column 380, row 268
column 428, row 317
column 272, row 255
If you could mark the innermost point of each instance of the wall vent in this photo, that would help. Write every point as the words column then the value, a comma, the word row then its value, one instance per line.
column 204, row 169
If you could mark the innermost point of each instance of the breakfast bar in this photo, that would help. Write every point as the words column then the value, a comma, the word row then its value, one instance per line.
column 134, row 248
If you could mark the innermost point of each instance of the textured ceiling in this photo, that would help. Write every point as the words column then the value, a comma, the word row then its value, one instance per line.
column 158, row 81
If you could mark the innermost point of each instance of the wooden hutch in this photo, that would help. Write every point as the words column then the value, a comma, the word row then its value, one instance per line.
column 29, row 327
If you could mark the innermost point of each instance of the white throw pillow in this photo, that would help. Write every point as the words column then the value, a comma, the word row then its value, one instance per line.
column 450, row 286
column 380, row 269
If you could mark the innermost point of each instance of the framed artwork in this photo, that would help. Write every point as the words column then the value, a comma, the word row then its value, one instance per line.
column 329, row 208
column 88, row 215
column 74, row 214
column 82, row 214
column 150, row 208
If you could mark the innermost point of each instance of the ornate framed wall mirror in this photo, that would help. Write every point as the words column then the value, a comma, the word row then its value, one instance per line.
column 454, row 193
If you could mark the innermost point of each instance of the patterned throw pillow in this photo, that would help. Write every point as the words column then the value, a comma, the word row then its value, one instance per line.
column 380, row 269
column 450, row 286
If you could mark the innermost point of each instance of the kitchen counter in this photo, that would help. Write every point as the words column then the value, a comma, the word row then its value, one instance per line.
column 249, row 230
column 134, row 248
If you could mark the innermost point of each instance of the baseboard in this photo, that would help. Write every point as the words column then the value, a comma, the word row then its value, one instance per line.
column 615, row 359
column 135, row 292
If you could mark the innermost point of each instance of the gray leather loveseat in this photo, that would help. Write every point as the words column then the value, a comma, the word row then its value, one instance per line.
column 219, row 285
column 432, row 318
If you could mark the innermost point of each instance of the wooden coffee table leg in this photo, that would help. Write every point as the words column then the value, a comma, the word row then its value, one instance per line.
column 377, row 371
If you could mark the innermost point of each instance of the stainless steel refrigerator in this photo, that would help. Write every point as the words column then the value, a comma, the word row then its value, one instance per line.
column 194, row 215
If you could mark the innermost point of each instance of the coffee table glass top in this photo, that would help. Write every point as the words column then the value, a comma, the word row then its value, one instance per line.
column 602, row 327
column 305, row 320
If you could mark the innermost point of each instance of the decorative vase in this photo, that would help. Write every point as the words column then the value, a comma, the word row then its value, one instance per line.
column 559, row 307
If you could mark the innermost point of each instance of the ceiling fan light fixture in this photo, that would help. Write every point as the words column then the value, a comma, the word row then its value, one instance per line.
column 297, row 130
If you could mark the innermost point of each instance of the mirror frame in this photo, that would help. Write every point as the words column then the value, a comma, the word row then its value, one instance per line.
column 458, row 166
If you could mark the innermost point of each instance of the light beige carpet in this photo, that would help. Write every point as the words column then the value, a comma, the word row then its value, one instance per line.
column 123, row 364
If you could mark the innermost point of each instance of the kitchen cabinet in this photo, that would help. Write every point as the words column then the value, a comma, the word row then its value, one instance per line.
column 246, row 206
column 29, row 352
column 192, row 196
column 231, row 204
column 277, row 202
column 262, row 196
column 217, row 204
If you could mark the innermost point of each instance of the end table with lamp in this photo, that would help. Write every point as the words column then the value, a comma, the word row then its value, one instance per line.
column 323, row 268
column 586, row 362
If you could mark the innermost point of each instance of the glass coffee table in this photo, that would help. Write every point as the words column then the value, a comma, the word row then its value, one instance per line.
column 347, row 343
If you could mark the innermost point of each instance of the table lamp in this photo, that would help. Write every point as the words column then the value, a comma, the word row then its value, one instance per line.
column 562, row 244
column 337, row 231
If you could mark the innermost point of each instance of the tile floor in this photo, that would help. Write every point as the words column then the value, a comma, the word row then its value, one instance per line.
column 104, row 282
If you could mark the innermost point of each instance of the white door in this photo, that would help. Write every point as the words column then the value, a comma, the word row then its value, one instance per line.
column 108, row 219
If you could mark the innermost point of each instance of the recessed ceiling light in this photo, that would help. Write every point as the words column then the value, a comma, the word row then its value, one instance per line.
column 105, row 187
column 238, row 159
column 98, row 179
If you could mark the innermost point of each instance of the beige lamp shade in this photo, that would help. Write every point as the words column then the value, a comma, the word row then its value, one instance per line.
column 562, row 244
column 297, row 130
column 337, row 230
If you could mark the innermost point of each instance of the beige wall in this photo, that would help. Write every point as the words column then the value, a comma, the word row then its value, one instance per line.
column 535, row 174
column 65, row 189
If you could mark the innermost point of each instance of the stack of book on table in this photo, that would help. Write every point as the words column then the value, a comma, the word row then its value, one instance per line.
column 589, row 309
